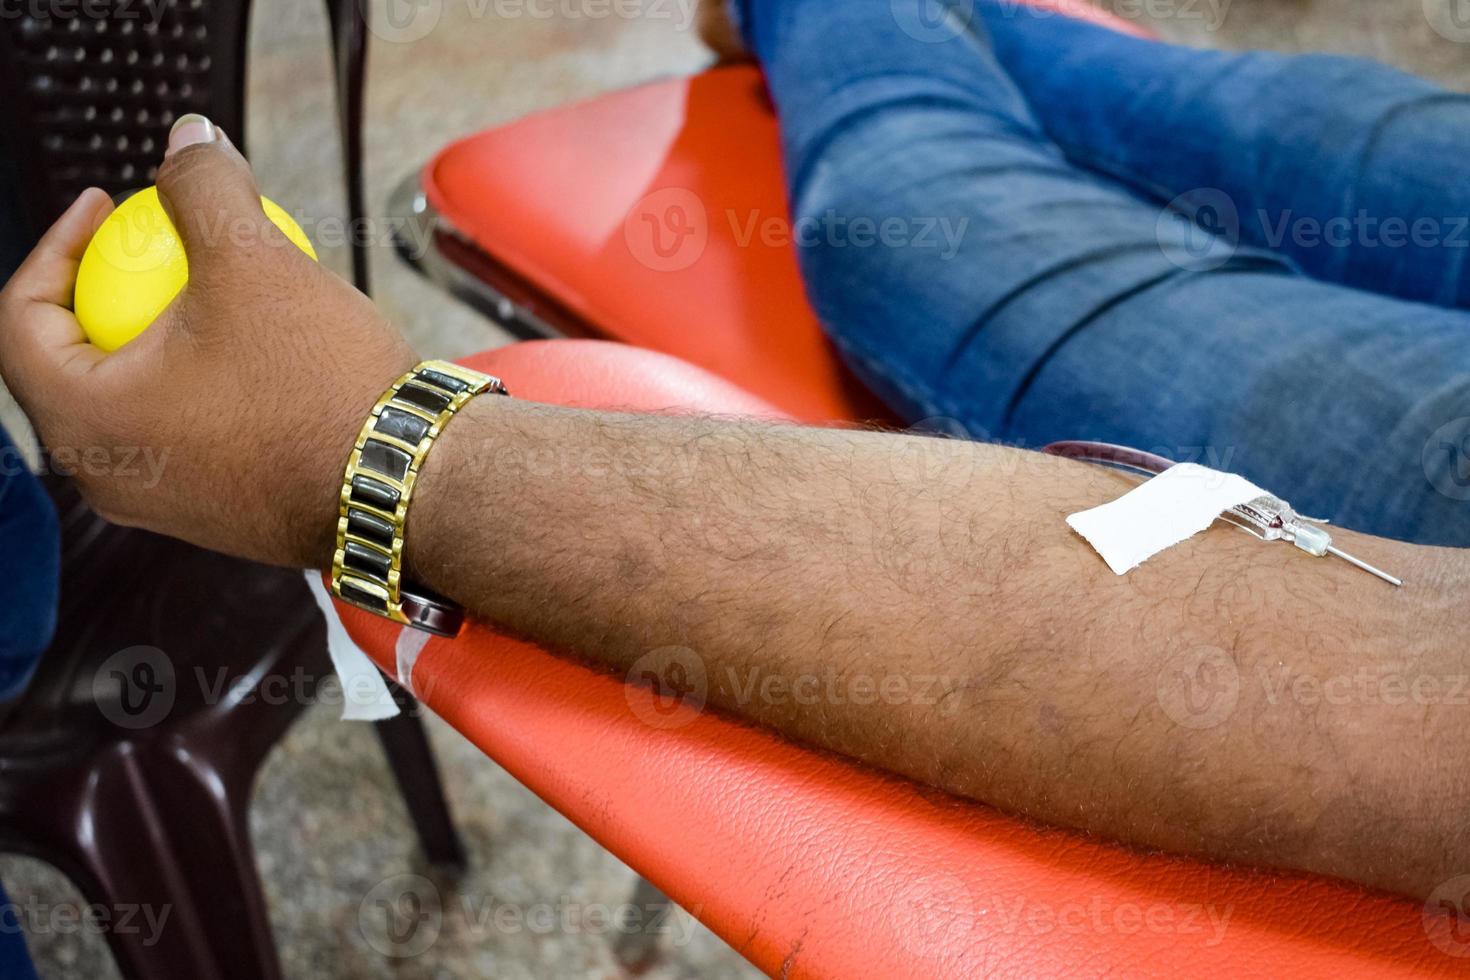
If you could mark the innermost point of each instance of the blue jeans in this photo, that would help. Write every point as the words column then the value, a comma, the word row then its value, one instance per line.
column 30, row 559
column 15, row 957
column 1255, row 261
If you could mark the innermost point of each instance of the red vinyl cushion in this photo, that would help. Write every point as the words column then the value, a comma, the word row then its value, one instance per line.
column 814, row 866
column 570, row 199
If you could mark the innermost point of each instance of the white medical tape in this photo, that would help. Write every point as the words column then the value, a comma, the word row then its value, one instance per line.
column 1158, row 514
column 410, row 644
column 365, row 695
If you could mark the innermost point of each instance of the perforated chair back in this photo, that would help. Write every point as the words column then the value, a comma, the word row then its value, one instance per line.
column 92, row 89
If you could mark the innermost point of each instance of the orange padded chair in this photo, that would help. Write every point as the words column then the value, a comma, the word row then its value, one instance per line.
column 808, row 864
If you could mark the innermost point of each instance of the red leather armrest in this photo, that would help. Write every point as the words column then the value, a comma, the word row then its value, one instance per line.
column 813, row 866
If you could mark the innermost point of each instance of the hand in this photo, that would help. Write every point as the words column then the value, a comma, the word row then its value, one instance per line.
column 718, row 32
column 247, row 392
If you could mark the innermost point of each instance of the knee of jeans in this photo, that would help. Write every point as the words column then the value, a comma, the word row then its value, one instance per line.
column 1373, row 108
column 1417, row 486
column 1316, row 75
column 1419, row 129
column 1330, row 100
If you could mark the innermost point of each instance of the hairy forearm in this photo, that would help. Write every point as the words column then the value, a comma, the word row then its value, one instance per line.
column 921, row 604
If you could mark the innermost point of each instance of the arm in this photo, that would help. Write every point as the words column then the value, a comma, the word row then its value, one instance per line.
column 1227, row 699
column 1162, row 709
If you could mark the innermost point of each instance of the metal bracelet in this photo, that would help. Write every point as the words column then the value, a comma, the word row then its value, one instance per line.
column 367, row 567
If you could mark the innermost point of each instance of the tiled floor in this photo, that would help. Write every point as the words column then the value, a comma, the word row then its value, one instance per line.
column 326, row 817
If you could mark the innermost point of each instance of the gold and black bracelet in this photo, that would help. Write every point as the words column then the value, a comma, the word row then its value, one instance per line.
column 367, row 569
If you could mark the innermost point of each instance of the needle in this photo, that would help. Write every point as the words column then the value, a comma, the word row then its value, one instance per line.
column 1334, row 550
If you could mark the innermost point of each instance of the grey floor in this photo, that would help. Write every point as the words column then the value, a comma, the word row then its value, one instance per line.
column 326, row 819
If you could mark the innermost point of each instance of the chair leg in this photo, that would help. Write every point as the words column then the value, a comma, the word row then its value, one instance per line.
column 348, row 26
column 168, row 855
column 411, row 758
column 640, row 950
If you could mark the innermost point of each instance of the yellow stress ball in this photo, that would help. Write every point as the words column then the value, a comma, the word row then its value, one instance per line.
column 135, row 266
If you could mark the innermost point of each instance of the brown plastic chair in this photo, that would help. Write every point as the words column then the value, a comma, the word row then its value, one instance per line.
column 123, row 763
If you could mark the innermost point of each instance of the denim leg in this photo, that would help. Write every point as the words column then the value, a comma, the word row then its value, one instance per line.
column 15, row 956
column 1352, row 169
column 1056, row 304
column 1002, row 246
column 30, row 560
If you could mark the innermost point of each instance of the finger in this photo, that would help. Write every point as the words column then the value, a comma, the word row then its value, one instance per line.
column 49, row 273
column 43, row 357
column 39, row 334
column 208, row 190
column 55, row 344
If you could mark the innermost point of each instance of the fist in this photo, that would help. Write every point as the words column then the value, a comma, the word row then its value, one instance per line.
column 244, row 396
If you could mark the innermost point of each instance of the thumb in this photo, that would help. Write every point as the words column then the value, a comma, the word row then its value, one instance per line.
column 208, row 190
